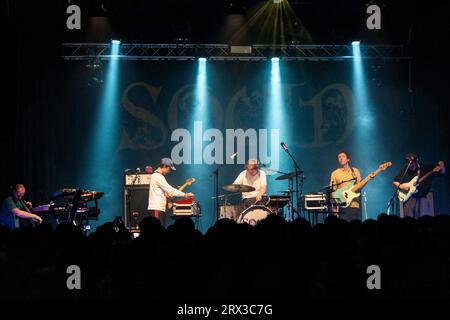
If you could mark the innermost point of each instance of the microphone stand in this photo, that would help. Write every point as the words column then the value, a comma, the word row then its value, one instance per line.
column 215, row 173
column 297, row 173
column 290, row 206
column 338, row 184
column 390, row 203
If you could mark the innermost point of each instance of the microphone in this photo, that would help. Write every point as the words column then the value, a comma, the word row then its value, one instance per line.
column 234, row 155
column 138, row 169
column 283, row 145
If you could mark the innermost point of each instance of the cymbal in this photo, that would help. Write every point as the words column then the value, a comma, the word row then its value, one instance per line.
column 238, row 188
column 288, row 175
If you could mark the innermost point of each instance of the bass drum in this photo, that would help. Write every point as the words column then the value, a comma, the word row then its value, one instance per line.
column 254, row 214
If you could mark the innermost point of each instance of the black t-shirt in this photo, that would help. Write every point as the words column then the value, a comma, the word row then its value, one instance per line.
column 425, row 185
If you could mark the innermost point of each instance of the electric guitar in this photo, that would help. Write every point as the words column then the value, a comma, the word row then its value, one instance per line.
column 169, row 198
column 347, row 194
column 413, row 185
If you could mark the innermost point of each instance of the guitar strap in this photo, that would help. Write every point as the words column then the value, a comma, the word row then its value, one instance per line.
column 353, row 174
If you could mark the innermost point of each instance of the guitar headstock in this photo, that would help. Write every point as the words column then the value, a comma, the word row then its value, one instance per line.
column 190, row 181
column 439, row 166
column 385, row 165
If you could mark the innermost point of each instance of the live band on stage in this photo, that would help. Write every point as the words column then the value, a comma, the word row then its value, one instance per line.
column 341, row 197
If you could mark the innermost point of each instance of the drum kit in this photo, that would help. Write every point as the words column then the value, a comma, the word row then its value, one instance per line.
column 272, row 204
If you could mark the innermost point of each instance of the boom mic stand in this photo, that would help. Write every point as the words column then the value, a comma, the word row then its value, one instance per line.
column 290, row 192
column 297, row 173
column 215, row 173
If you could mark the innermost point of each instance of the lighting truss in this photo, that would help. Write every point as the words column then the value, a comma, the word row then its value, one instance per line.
column 132, row 51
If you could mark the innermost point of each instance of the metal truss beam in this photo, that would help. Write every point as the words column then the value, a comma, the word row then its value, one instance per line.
column 130, row 51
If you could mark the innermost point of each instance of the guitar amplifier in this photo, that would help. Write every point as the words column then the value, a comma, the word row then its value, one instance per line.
column 138, row 179
column 135, row 203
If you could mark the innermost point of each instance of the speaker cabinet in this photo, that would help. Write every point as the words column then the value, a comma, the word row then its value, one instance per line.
column 135, row 200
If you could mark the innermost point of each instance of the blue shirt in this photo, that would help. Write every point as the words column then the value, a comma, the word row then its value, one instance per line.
column 7, row 216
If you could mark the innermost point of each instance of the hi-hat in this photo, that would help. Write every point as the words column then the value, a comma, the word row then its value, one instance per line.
column 238, row 188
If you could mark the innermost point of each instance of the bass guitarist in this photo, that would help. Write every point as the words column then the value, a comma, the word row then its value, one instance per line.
column 414, row 182
column 342, row 177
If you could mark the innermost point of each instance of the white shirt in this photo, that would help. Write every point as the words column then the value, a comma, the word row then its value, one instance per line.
column 157, row 192
column 257, row 182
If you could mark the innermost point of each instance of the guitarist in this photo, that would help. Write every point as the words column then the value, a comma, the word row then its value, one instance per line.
column 337, row 181
column 418, row 205
column 14, row 207
column 158, row 189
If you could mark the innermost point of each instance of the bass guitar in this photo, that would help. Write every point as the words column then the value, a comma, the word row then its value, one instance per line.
column 346, row 195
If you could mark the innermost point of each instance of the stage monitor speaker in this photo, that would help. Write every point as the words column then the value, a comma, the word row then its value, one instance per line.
column 135, row 201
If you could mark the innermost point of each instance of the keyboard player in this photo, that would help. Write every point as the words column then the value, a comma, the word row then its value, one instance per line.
column 14, row 207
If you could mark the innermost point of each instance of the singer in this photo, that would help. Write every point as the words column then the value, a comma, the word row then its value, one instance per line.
column 337, row 181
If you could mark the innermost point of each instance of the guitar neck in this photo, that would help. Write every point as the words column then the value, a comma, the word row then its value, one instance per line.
column 184, row 186
column 361, row 184
column 425, row 176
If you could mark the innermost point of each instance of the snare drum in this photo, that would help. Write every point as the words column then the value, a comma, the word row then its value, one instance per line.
column 254, row 214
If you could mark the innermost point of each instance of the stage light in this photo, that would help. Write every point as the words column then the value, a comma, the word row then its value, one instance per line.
column 277, row 118
column 366, row 130
column 202, row 59
column 115, row 41
column 101, row 151
column 277, row 1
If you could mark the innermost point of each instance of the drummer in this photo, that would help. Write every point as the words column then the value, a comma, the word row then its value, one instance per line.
column 255, row 178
